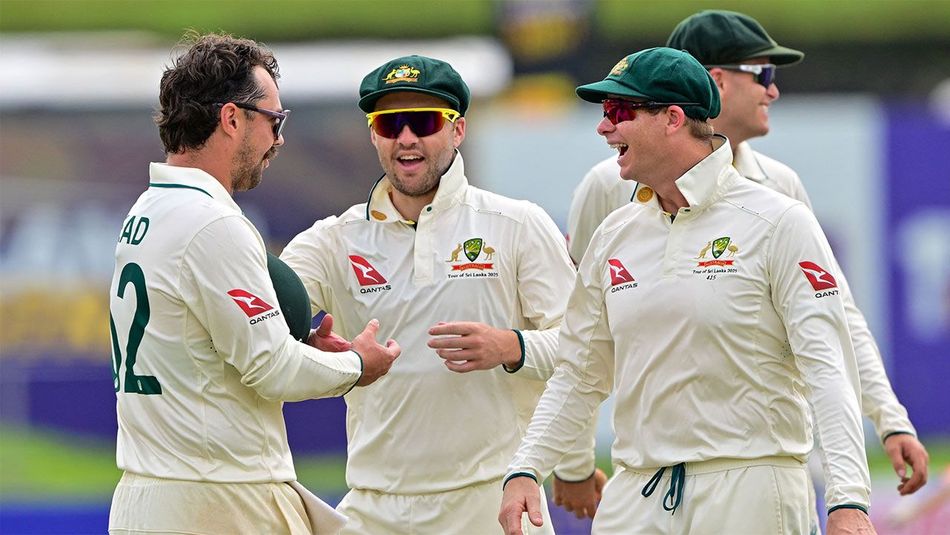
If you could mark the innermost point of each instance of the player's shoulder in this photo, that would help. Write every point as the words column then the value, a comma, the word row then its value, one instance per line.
column 758, row 200
column 491, row 203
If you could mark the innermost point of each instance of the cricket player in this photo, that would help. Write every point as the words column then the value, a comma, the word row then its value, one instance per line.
column 202, row 357
column 475, row 285
column 742, row 59
column 708, row 308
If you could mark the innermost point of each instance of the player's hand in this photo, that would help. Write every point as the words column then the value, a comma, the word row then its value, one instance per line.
column 906, row 449
column 377, row 359
column 849, row 522
column 324, row 339
column 521, row 496
column 580, row 497
column 467, row 345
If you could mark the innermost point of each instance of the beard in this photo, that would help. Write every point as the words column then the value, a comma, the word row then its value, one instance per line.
column 424, row 184
column 248, row 172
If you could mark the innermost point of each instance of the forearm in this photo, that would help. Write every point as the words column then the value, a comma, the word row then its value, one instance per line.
column 539, row 352
column 296, row 372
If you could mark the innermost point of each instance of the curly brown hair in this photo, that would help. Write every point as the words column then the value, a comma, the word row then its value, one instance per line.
column 216, row 68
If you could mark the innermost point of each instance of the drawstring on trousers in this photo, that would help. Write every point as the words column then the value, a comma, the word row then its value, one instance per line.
column 677, row 483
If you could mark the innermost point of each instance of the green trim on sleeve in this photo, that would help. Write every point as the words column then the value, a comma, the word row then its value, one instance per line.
column 518, row 474
column 520, row 362
column 361, row 372
column 861, row 508
column 892, row 433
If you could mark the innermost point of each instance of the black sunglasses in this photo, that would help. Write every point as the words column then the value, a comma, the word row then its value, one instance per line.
column 280, row 117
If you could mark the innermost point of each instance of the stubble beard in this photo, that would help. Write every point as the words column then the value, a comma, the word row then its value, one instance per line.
column 247, row 173
column 429, row 180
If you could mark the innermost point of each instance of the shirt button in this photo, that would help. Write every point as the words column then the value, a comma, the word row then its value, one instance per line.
column 428, row 208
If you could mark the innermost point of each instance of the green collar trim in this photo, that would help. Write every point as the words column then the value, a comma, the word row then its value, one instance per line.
column 181, row 186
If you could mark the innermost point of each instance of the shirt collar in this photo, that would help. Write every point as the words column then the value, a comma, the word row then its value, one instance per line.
column 162, row 175
column 700, row 185
column 743, row 159
column 452, row 185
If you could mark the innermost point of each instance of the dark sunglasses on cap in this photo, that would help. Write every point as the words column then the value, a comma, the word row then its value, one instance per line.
column 422, row 121
column 280, row 117
column 618, row 110
column 764, row 73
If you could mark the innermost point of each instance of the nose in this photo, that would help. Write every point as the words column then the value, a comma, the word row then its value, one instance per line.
column 605, row 126
column 280, row 140
column 407, row 136
column 772, row 91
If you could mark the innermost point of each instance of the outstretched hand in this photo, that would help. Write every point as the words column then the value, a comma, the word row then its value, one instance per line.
column 324, row 339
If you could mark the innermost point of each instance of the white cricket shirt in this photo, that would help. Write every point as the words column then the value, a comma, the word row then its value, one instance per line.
column 473, row 256
column 602, row 191
column 710, row 331
column 202, row 358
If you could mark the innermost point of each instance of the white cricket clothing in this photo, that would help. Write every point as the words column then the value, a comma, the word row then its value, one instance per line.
column 758, row 496
column 719, row 332
column 602, row 191
column 472, row 256
column 195, row 315
column 468, row 511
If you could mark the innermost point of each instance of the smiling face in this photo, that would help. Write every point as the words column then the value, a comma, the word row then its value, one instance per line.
column 636, row 142
column 258, row 146
column 413, row 164
column 745, row 103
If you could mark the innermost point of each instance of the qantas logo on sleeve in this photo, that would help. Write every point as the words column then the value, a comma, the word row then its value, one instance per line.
column 367, row 275
column 820, row 279
column 620, row 278
column 249, row 303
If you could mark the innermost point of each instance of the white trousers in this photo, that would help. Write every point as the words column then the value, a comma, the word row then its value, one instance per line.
column 143, row 504
column 767, row 496
column 469, row 511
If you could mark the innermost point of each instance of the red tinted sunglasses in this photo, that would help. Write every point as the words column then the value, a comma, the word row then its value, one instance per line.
column 617, row 110
column 422, row 121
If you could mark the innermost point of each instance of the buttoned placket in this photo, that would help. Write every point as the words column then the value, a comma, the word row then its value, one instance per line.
column 423, row 254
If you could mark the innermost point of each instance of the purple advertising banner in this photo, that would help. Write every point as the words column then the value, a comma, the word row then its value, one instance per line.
column 916, row 248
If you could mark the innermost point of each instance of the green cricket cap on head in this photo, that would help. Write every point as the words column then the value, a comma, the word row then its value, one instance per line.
column 717, row 37
column 415, row 73
column 661, row 75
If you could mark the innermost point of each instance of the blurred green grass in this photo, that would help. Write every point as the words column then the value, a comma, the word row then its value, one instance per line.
column 38, row 465
column 617, row 20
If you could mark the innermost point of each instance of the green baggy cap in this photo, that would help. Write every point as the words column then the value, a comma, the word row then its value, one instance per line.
column 718, row 37
column 662, row 75
column 415, row 73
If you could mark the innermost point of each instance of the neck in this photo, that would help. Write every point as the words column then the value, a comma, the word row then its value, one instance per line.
column 734, row 135
column 213, row 166
column 410, row 207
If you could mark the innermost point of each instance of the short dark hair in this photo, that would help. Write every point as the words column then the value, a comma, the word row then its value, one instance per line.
column 215, row 69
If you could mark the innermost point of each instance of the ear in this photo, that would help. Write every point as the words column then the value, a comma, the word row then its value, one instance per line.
column 676, row 118
column 718, row 75
column 458, row 131
column 230, row 120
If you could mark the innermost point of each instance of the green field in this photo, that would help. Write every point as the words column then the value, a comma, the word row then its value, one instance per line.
column 46, row 466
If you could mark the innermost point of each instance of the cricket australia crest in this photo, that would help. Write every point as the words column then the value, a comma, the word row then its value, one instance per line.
column 473, row 249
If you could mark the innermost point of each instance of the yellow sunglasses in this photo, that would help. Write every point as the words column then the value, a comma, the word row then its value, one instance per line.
column 422, row 121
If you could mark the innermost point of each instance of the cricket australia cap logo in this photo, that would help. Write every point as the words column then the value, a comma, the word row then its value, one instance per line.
column 403, row 73
column 370, row 279
column 823, row 283
column 473, row 249
column 620, row 277
column 619, row 68
column 249, row 303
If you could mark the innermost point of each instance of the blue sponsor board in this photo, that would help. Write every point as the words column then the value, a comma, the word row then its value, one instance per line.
column 916, row 251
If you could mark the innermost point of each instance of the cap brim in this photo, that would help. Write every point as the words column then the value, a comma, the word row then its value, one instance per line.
column 598, row 91
column 780, row 55
column 368, row 102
